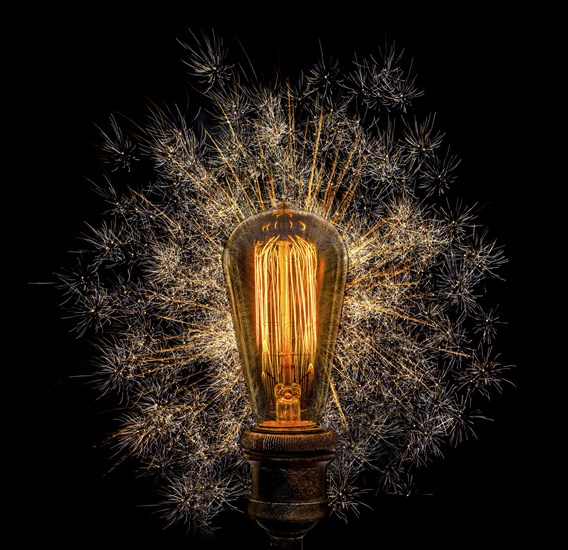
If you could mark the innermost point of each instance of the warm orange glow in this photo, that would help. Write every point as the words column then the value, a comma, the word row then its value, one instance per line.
column 286, row 319
column 285, row 270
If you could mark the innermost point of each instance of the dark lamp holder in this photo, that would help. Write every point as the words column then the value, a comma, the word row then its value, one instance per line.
column 289, row 480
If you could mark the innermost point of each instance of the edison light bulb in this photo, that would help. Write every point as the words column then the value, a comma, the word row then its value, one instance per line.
column 285, row 271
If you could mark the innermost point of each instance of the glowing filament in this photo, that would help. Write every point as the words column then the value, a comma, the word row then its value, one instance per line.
column 286, row 320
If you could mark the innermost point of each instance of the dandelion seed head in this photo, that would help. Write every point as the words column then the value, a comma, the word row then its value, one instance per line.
column 413, row 345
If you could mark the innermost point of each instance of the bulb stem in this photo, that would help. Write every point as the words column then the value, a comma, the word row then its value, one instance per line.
column 280, row 543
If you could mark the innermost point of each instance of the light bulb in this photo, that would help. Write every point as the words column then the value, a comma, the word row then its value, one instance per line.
column 285, row 270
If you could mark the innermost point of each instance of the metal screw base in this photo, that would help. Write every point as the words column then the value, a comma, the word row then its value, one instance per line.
column 288, row 495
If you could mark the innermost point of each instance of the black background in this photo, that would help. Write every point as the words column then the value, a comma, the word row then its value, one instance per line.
column 492, row 80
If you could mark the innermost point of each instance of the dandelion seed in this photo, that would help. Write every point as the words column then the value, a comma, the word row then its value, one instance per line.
column 117, row 149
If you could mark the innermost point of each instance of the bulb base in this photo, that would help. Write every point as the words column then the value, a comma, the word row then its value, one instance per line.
column 289, row 484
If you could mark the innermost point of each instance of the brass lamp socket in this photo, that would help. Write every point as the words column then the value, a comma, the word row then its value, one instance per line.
column 288, row 493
